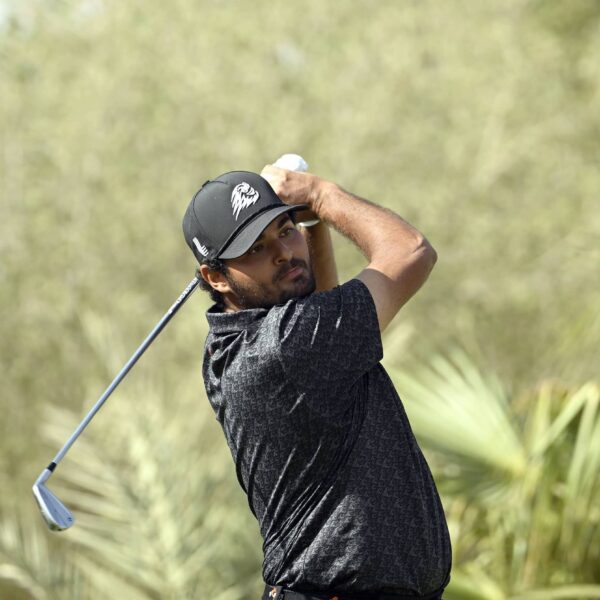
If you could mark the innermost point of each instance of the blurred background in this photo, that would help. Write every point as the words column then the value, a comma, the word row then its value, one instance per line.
column 478, row 122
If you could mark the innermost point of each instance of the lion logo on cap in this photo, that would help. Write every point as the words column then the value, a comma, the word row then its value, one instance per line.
column 243, row 196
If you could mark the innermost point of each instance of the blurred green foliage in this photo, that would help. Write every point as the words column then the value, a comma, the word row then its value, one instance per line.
column 520, row 480
column 478, row 122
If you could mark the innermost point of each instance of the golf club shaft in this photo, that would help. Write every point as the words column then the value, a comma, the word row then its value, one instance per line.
column 136, row 355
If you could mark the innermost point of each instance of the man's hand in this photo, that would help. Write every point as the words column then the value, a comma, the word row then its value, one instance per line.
column 294, row 188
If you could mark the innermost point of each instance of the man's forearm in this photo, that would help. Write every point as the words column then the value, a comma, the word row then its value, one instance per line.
column 318, row 238
column 377, row 231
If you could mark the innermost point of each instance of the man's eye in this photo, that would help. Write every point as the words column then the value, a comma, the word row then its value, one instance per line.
column 287, row 231
column 255, row 249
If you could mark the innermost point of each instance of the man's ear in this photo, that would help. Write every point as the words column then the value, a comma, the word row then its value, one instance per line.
column 215, row 279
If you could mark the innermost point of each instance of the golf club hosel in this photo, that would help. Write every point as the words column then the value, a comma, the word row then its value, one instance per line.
column 43, row 477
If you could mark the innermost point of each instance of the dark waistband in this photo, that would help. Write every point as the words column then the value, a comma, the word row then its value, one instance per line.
column 276, row 592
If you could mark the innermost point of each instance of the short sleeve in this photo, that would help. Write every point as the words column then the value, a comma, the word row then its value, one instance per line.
column 328, row 340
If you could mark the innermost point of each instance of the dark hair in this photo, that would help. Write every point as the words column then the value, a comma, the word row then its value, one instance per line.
column 214, row 264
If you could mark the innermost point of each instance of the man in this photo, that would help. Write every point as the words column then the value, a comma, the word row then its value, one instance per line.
column 346, row 504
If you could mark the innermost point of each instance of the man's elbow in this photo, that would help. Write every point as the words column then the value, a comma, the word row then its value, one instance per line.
column 407, row 269
column 426, row 255
column 419, row 266
column 411, row 272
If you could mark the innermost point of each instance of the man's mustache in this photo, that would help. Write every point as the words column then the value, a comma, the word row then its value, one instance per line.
column 295, row 262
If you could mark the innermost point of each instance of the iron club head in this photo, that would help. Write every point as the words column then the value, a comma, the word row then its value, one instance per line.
column 55, row 513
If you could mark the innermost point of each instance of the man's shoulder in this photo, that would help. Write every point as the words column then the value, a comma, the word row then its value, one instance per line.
column 352, row 290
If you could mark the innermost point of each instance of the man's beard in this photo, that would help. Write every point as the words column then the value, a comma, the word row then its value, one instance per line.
column 260, row 295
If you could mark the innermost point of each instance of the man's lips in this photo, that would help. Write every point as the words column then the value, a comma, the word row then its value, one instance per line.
column 294, row 272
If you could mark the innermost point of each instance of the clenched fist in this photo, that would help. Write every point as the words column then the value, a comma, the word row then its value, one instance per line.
column 294, row 188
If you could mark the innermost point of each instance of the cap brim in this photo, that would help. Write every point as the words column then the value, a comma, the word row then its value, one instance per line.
column 250, row 232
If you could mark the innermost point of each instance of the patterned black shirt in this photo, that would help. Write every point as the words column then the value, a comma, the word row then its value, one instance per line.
column 323, row 447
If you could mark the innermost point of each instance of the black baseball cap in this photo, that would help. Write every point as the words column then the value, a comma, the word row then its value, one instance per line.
column 227, row 214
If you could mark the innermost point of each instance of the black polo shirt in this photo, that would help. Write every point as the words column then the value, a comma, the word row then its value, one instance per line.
column 323, row 448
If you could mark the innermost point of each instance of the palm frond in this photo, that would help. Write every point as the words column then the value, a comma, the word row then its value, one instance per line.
column 521, row 481
column 453, row 408
column 29, row 562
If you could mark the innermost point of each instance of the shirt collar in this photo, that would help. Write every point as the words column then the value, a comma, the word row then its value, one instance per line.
column 229, row 322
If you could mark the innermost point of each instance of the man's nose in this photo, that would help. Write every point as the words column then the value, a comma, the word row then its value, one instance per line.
column 282, row 252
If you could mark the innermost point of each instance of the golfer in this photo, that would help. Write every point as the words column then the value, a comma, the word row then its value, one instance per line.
column 322, row 446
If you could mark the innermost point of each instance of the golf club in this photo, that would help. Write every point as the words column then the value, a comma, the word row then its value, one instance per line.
column 55, row 513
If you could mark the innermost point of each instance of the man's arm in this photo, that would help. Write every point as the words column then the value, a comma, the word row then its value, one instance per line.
column 318, row 239
column 400, row 257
